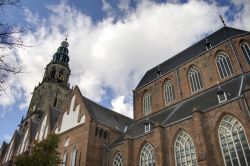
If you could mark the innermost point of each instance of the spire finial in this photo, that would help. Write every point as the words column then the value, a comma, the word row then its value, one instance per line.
column 222, row 20
column 66, row 37
column 65, row 42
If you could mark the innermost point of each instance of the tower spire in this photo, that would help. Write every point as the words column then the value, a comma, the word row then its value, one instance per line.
column 61, row 55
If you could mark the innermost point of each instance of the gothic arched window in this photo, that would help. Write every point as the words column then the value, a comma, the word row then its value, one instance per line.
column 100, row 132
column 246, row 51
column 57, row 57
column 65, row 155
column 147, row 157
column 194, row 77
column 224, row 65
column 233, row 142
column 118, row 160
column 168, row 92
column 147, row 103
column 74, row 157
column 105, row 134
column 52, row 74
column 184, row 150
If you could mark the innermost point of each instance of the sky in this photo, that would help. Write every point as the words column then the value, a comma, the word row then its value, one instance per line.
column 112, row 43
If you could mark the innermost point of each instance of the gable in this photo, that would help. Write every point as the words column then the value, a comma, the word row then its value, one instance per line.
column 71, row 118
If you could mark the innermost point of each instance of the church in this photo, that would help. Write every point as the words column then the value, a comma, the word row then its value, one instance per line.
column 190, row 110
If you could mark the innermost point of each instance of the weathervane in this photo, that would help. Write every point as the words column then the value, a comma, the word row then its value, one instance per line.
column 222, row 20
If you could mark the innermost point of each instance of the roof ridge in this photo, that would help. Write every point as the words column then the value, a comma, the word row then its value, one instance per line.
column 93, row 102
column 198, row 42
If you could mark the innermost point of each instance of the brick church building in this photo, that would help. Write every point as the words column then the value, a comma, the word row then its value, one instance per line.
column 192, row 109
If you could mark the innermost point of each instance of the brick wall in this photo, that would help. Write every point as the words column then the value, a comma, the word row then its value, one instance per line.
column 209, row 73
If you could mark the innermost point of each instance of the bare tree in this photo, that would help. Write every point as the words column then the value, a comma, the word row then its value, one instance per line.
column 9, row 39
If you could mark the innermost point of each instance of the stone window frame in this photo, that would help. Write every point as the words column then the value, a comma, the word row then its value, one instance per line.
column 195, row 80
column 66, row 142
column 224, row 65
column 147, row 155
column 231, row 132
column 118, row 160
column 147, row 103
column 245, row 50
column 74, row 157
column 168, row 90
column 65, row 157
column 222, row 97
column 147, row 127
column 184, row 144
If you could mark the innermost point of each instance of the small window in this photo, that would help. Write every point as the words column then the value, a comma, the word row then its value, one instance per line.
column 222, row 96
column 147, row 103
column 100, row 132
column 105, row 134
column 55, row 102
column 147, row 127
column 208, row 45
column 246, row 51
column 66, row 142
column 52, row 74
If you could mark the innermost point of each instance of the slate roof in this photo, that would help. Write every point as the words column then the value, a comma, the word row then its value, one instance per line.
column 106, row 116
column 204, row 101
column 190, row 53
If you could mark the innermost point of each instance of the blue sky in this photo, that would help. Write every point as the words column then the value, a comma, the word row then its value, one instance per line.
column 112, row 44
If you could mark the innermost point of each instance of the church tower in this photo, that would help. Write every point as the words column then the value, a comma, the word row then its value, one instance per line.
column 57, row 71
column 53, row 91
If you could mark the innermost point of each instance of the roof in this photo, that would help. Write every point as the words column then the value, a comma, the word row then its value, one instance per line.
column 190, row 53
column 106, row 116
column 205, row 101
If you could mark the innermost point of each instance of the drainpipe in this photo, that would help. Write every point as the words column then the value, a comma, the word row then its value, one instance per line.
column 246, row 104
column 106, row 150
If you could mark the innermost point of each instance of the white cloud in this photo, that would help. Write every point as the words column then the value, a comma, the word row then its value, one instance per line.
column 123, row 5
column 114, row 55
column 242, row 18
column 119, row 105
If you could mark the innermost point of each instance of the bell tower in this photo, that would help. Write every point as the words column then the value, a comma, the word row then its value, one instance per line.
column 54, row 90
column 57, row 71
